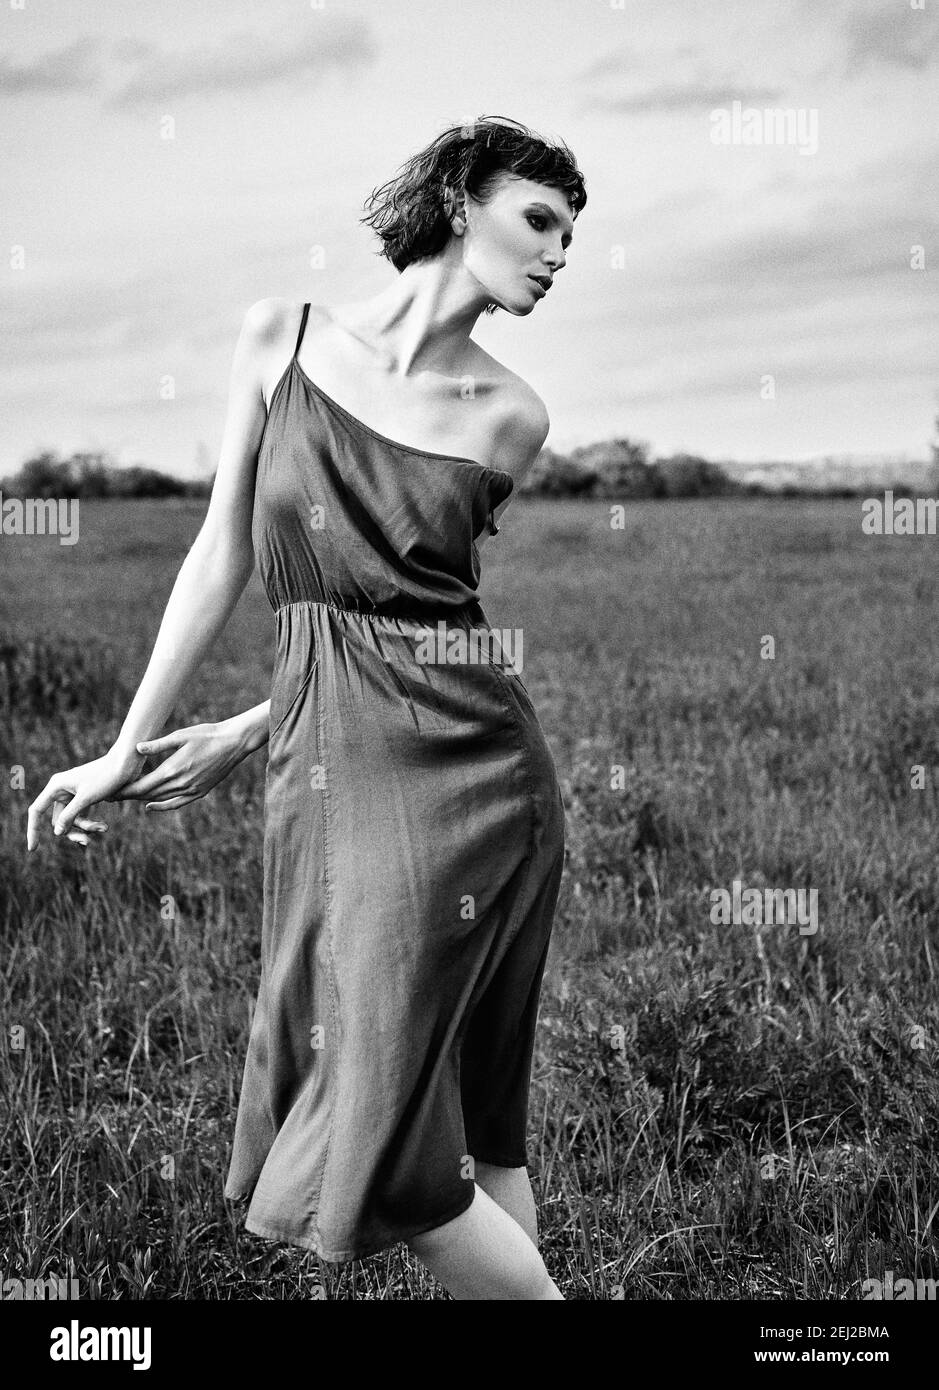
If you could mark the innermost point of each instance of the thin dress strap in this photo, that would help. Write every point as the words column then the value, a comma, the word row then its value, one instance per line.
column 306, row 310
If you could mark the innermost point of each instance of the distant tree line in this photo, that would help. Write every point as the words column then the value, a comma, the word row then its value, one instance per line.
column 619, row 469
column 95, row 475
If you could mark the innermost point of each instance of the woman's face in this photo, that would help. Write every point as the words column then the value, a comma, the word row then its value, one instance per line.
column 523, row 231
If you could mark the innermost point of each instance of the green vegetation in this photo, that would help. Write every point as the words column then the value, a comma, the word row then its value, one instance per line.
column 717, row 1112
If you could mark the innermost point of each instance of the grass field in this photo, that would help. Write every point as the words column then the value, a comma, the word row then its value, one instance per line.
column 717, row 1112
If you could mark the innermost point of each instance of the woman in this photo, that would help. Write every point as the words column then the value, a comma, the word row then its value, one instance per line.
column 413, row 821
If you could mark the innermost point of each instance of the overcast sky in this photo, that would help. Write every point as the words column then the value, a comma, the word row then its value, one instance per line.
column 698, row 270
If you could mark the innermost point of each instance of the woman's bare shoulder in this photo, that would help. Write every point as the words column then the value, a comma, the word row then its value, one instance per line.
column 521, row 410
column 268, row 320
column 271, row 327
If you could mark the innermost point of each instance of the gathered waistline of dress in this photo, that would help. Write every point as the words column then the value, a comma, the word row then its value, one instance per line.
column 421, row 615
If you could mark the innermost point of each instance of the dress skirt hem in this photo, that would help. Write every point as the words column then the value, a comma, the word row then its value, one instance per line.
column 363, row 1251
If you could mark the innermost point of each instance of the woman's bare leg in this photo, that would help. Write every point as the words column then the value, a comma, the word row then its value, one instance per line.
column 511, row 1188
column 485, row 1254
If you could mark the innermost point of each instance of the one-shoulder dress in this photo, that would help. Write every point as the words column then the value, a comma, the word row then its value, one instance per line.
column 413, row 844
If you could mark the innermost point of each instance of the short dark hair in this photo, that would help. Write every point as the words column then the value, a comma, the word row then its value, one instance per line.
column 408, row 213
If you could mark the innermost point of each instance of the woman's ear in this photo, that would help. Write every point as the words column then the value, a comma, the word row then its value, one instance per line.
column 453, row 206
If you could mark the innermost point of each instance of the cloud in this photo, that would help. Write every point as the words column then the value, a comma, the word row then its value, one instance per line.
column 693, row 84
column 248, row 60
column 612, row 64
column 131, row 50
column 895, row 37
column 688, row 96
column 239, row 62
column 74, row 67
column 823, row 251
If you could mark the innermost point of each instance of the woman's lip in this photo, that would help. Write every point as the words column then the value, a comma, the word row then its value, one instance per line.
column 539, row 284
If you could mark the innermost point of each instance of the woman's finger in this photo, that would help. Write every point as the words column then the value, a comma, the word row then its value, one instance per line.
column 55, row 810
column 151, row 746
column 52, row 791
column 71, row 812
column 155, row 781
column 172, row 805
column 174, row 786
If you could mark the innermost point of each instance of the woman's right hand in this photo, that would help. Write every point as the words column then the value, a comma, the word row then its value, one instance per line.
column 195, row 760
column 80, row 788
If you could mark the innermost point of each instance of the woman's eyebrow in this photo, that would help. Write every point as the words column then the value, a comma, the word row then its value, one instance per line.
column 545, row 207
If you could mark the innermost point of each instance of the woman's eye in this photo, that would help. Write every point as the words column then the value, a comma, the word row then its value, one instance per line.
column 540, row 220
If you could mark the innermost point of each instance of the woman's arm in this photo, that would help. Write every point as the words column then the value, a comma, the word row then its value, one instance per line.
column 252, row 726
column 521, row 440
column 207, row 588
column 204, row 595
column 198, row 759
column 219, row 564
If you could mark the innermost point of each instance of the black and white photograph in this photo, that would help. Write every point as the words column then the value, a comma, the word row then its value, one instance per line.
column 469, row 723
